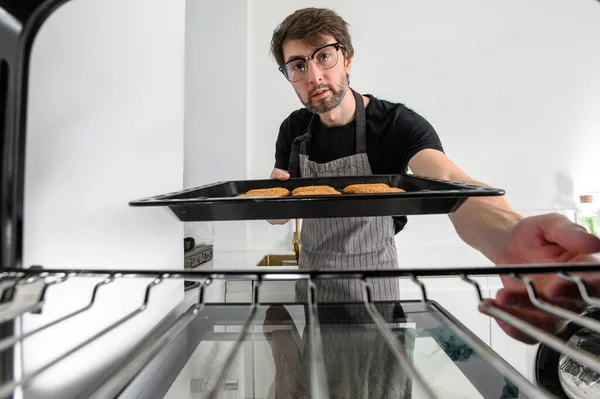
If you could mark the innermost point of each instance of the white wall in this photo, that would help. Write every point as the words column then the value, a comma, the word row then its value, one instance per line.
column 105, row 126
column 216, row 146
column 511, row 88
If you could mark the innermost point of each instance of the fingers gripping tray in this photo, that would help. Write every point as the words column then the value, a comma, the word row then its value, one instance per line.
column 222, row 200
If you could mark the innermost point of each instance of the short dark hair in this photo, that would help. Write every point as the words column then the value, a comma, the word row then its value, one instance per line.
column 311, row 25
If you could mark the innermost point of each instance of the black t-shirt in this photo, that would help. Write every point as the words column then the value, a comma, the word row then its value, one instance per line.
column 395, row 134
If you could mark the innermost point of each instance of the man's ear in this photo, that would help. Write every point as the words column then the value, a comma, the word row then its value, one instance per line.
column 348, row 64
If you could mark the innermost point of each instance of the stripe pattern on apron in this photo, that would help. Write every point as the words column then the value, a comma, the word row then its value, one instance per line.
column 358, row 362
column 344, row 243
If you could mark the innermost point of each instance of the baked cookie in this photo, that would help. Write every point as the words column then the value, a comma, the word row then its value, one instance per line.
column 315, row 190
column 267, row 192
column 373, row 188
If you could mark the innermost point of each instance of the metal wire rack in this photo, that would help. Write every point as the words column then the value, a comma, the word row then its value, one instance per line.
column 14, row 280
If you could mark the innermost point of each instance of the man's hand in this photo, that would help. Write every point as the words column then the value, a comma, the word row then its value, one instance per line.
column 279, row 174
column 545, row 239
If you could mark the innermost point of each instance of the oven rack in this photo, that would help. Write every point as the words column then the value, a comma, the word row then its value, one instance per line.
column 14, row 280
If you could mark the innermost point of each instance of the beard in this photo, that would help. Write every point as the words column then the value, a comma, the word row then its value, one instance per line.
column 323, row 105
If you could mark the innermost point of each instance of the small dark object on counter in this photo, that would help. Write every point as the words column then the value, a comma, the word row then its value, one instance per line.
column 188, row 243
column 197, row 256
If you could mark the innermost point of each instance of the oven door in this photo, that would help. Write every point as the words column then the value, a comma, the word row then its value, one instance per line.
column 275, row 356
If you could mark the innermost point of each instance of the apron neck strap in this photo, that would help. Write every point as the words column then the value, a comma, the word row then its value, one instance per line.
column 361, row 124
column 299, row 147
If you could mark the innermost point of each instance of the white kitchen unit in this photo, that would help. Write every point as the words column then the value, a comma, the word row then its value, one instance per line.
column 518, row 354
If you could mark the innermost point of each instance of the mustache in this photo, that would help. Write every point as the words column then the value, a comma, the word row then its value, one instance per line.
column 319, row 87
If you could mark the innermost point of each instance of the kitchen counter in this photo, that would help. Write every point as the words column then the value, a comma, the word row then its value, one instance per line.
column 422, row 257
column 242, row 260
column 418, row 258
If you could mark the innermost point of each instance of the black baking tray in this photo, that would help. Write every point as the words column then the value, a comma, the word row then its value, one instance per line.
column 218, row 201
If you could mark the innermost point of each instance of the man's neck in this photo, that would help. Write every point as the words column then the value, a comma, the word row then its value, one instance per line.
column 343, row 114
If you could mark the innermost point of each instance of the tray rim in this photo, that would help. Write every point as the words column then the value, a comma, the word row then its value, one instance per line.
column 468, row 190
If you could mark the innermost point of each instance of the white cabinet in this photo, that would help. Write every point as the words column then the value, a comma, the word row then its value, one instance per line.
column 264, row 369
column 514, row 352
column 238, row 291
column 260, row 368
column 269, row 291
column 201, row 371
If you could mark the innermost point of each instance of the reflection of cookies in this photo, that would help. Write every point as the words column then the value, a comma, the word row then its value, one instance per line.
column 315, row 190
column 375, row 188
column 267, row 192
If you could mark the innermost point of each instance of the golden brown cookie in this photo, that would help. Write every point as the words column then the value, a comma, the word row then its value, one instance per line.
column 374, row 188
column 315, row 190
column 267, row 192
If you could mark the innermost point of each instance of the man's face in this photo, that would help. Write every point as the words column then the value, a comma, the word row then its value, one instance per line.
column 319, row 91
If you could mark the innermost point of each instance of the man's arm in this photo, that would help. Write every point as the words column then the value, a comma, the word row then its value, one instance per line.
column 482, row 222
column 491, row 226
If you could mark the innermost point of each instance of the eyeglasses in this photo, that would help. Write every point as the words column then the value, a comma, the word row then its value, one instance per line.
column 325, row 57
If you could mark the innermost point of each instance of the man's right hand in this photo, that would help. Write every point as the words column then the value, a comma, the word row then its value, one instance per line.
column 279, row 174
column 545, row 240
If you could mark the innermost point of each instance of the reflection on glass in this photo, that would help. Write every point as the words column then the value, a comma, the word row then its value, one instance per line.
column 274, row 361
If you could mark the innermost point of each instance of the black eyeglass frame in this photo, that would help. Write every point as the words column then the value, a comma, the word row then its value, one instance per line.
column 305, row 59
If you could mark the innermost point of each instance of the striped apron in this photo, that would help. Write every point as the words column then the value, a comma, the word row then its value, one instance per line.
column 358, row 362
column 344, row 243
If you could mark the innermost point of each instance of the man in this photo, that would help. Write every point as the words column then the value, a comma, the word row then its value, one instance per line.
column 340, row 132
